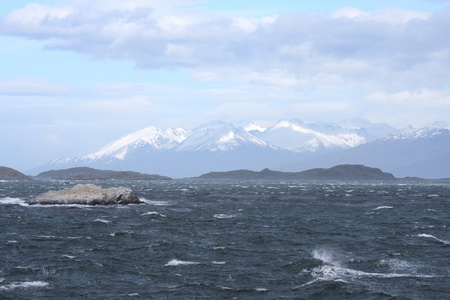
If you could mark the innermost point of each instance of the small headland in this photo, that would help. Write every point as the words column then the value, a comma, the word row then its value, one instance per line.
column 11, row 174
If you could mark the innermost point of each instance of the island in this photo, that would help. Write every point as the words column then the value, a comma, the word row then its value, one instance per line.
column 86, row 173
column 340, row 172
column 11, row 174
column 87, row 194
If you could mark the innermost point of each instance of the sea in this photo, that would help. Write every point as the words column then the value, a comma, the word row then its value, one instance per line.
column 200, row 239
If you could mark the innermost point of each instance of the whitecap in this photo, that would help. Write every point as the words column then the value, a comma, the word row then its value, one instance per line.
column 155, row 202
column 261, row 290
column 153, row 213
column 383, row 207
column 218, row 262
column 341, row 274
column 24, row 285
column 223, row 216
column 433, row 237
column 16, row 201
column 131, row 295
column 47, row 236
column 326, row 255
column 176, row 262
column 102, row 221
column 396, row 264
column 332, row 270
column 79, row 237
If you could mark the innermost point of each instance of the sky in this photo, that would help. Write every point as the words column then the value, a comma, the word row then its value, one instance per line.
column 77, row 74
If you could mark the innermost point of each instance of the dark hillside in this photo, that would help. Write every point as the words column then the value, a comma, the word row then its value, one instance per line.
column 341, row 172
column 11, row 174
column 85, row 173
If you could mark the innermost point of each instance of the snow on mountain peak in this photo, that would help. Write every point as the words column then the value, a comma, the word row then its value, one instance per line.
column 218, row 136
column 253, row 127
column 412, row 134
column 152, row 136
column 299, row 137
column 293, row 125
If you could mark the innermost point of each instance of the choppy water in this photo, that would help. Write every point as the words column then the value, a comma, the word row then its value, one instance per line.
column 230, row 240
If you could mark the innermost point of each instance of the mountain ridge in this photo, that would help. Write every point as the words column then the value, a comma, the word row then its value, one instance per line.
column 286, row 145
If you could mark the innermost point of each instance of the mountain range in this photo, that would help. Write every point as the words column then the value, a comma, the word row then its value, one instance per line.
column 285, row 146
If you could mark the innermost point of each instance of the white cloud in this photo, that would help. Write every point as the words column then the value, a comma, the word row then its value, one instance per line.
column 392, row 16
column 389, row 49
column 422, row 98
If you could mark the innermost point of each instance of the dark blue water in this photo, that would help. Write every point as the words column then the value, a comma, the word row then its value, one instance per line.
column 230, row 240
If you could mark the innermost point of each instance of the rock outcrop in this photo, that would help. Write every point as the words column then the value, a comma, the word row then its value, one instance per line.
column 87, row 194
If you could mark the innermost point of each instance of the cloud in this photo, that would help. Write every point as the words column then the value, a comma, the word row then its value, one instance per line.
column 389, row 49
column 423, row 98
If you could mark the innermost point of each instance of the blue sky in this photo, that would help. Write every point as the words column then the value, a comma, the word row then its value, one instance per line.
column 75, row 75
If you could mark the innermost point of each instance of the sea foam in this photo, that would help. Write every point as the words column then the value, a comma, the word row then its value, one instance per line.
column 223, row 216
column 24, row 285
column 155, row 202
column 16, row 201
column 383, row 207
column 434, row 238
column 176, row 262
column 153, row 213
column 332, row 270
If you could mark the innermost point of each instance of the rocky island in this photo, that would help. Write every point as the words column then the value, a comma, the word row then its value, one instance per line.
column 87, row 194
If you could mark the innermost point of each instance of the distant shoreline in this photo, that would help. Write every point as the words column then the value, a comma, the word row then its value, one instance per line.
column 339, row 172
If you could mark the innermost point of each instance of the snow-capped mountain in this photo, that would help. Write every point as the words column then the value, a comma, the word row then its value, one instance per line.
column 413, row 134
column 219, row 136
column 149, row 137
column 250, row 126
column 286, row 145
column 422, row 152
column 299, row 137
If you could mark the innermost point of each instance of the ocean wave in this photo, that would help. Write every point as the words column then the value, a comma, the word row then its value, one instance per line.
column 176, row 262
column 16, row 201
column 102, row 221
column 434, row 238
column 223, row 216
column 331, row 270
column 155, row 202
column 154, row 213
column 396, row 264
column 24, row 285
column 383, row 207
